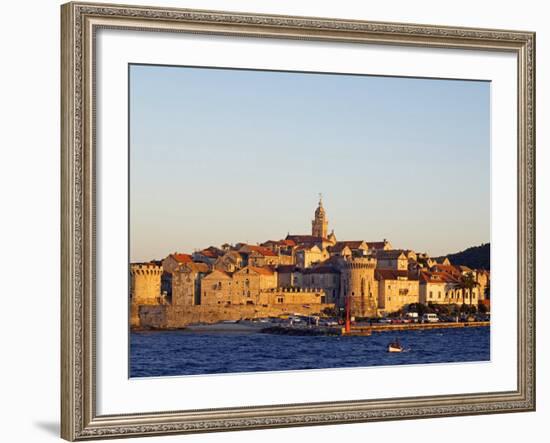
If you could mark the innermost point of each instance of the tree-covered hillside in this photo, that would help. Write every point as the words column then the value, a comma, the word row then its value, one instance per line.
column 476, row 257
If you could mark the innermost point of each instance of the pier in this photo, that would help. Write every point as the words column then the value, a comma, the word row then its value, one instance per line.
column 366, row 330
column 421, row 326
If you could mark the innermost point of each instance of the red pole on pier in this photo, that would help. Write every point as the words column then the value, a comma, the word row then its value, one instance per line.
column 348, row 317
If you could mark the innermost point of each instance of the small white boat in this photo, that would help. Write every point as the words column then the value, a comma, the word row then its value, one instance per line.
column 395, row 346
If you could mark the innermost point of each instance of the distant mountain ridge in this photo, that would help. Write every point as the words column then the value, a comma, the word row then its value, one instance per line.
column 476, row 257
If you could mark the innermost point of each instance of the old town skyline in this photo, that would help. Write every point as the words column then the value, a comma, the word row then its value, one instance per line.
column 406, row 159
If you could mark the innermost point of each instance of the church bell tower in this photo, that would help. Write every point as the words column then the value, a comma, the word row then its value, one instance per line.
column 319, row 226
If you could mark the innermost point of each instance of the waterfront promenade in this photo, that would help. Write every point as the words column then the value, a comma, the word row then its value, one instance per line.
column 365, row 330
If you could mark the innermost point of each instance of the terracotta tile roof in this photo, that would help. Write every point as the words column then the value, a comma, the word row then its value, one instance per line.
column 437, row 277
column 306, row 246
column 196, row 267
column 430, row 277
column 392, row 253
column 264, row 270
column 211, row 252
column 288, row 242
column 262, row 251
column 222, row 273
column 306, row 238
column 449, row 269
column 390, row 274
column 279, row 243
column 200, row 267
column 182, row 258
column 352, row 244
column 376, row 244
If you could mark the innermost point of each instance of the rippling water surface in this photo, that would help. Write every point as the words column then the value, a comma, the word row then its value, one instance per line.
column 163, row 353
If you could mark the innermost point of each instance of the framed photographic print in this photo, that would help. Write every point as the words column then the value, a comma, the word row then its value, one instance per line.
column 283, row 221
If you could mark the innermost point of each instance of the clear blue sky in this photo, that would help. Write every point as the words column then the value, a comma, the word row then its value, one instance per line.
column 230, row 155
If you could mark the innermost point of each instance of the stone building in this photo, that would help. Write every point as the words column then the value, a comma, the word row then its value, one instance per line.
column 326, row 277
column 356, row 248
column 383, row 245
column 396, row 289
column 231, row 261
column 259, row 256
column 432, row 288
column 216, row 289
column 340, row 251
column 393, row 260
column 281, row 247
column 208, row 255
column 249, row 282
column 186, row 283
column 308, row 255
column 289, row 276
column 175, row 260
column 311, row 240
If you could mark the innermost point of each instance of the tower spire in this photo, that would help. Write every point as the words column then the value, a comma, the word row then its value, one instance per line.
column 319, row 225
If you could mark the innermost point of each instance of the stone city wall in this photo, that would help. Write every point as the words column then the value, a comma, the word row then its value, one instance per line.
column 173, row 317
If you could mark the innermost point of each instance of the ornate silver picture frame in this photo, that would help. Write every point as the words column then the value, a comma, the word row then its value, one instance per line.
column 80, row 23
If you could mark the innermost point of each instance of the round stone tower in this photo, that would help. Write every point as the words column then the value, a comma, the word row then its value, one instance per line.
column 359, row 284
column 145, row 283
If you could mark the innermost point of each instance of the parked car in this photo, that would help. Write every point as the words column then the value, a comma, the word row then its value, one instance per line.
column 430, row 318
